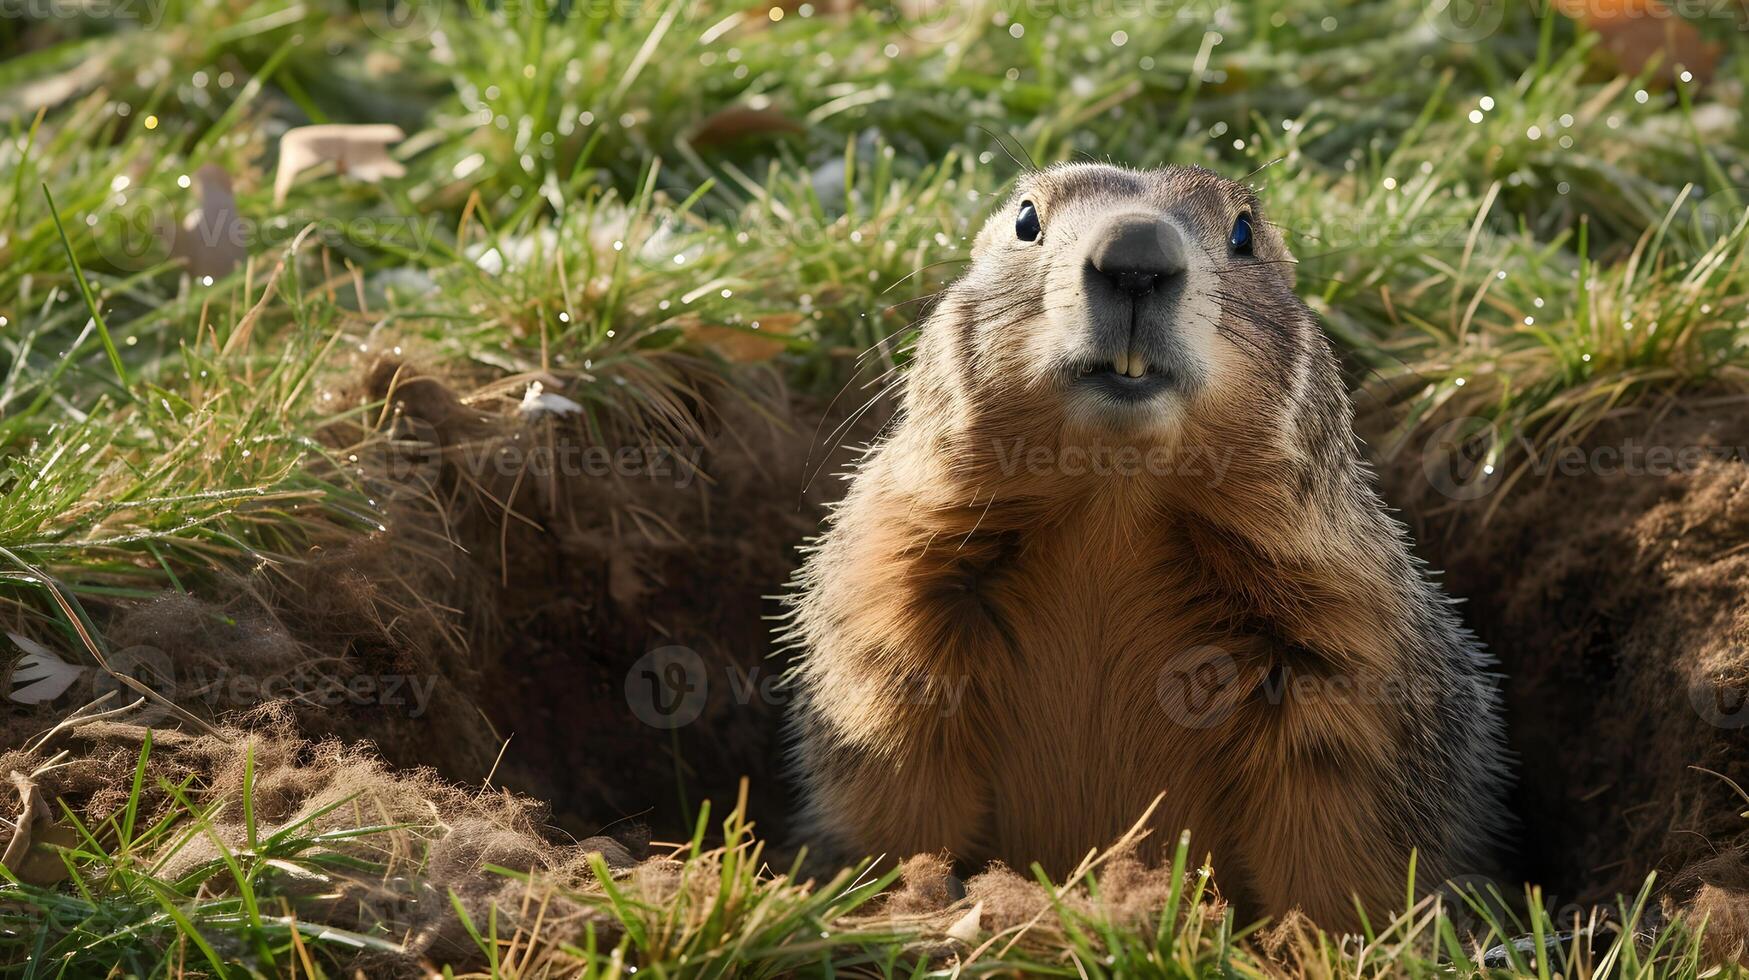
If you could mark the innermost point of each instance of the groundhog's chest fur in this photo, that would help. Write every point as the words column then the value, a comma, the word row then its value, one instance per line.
column 1023, row 694
column 1103, row 660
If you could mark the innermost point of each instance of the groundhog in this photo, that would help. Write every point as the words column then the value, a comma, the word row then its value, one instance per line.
column 1119, row 543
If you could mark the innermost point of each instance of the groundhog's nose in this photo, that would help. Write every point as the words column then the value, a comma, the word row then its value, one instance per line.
column 1136, row 253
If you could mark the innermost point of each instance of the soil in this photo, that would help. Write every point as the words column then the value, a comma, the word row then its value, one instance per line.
column 1612, row 582
column 600, row 583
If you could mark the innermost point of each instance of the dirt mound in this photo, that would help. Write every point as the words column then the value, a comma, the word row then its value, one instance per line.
column 630, row 566
column 358, row 638
column 1612, row 581
column 437, row 855
column 997, row 909
column 540, row 576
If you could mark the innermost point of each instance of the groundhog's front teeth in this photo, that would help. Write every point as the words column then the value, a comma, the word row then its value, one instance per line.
column 1138, row 365
column 1121, row 363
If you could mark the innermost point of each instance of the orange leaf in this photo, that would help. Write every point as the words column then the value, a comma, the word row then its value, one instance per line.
column 1635, row 33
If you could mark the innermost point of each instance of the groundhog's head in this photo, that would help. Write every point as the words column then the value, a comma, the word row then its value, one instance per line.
column 1122, row 302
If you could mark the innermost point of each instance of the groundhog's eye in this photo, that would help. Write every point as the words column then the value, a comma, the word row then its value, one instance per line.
column 1026, row 226
column 1240, row 238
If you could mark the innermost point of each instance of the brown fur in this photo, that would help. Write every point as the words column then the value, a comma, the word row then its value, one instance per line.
column 1010, row 661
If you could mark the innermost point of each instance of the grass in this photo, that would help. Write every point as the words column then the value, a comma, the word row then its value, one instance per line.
column 639, row 201
column 253, row 899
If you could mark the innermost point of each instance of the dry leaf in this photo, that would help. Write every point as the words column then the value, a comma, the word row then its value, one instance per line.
column 1635, row 33
column 537, row 403
column 211, row 239
column 30, row 854
column 360, row 151
column 743, row 345
column 736, row 123
column 45, row 676
column 967, row 927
